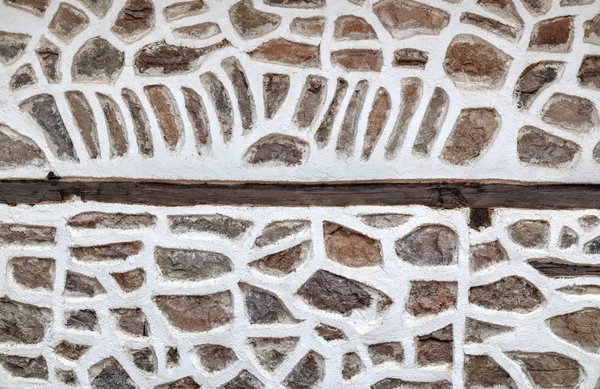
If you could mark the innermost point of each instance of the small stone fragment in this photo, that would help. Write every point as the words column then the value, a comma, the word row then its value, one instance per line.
column 84, row 118
column 486, row 255
column 172, row 356
column 386, row 352
column 549, row 370
column 32, row 272
column 530, row 233
column 244, row 380
column 130, row 281
column 49, row 55
column 325, row 128
column 580, row 328
column 118, row 220
column 44, row 110
column 412, row 90
column 84, row 319
column 330, row 333
column 98, row 7
column 592, row 246
column 432, row 122
column 479, row 331
column 311, row 98
column 351, row 366
column 191, row 265
column 308, row 373
column 350, row 27
column 182, row 383
column 567, row 238
column 23, row 323
column 406, row 18
column 512, row 294
column 198, row 31
column 36, row 7
column 67, row 377
column 395, row 383
column 217, row 224
column 538, row 7
column 110, row 374
column 250, row 22
column 350, row 247
column 283, row 262
column 68, row 22
column 559, row 268
column 410, row 58
column 107, row 252
column 272, row 352
column 534, row 79
column 572, row 113
column 169, row 118
column 196, row 313
column 285, row 52
column 241, row 86
column 504, row 30
column 12, row 46
column 23, row 234
column 277, row 150
column 296, row 3
column 144, row 359
column 214, row 357
column 377, row 120
column 97, row 61
column 141, row 124
column 184, row 9
column 539, row 147
column 79, row 285
column 432, row 245
column 360, row 60
column 198, row 117
column 554, row 35
column 310, row 27
column 25, row 367
column 589, row 72
column 24, row 76
column 431, row 297
column 131, row 321
column 436, row 348
column 591, row 30
column 17, row 150
column 70, row 350
column 275, row 90
column 115, row 123
column 589, row 222
column 385, row 220
column 481, row 371
column 221, row 103
column 263, row 307
column 134, row 21
column 278, row 230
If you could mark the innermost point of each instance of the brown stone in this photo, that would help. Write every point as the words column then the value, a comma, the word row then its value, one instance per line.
column 591, row 30
column 163, row 59
column 118, row 220
column 412, row 90
column 580, row 289
column 474, row 63
column 436, row 348
column 350, row 27
column 538, row 147
column 23, row 234
column 296, row 3
column 377, row 120
column 538, row 7
column 184, row 9
column 486, row 255
column 405, row 18
column 214, row 357
column 431, row 297
column 264, row 307
column 108, row 374
column 549, row 370
column 275, row 90
column 512, row 294
column 479, row 331
column 580, row 328
column 554, row 35
column 79, row 285
column 241, row 87
column 250, row 22
column 592, row 246
column 283, row 262
column 70, row 350
column 25, row 367
column 67, row 377
column 97, row 61
column 330, row 333
column 473, row 131
column 84, row 118
column 272, row 352
column 504, row 30
column 217, row 224
column 410, row 58
column 308, row 373
column 567, row 238
column 197, row 313
column 530, row 233
column 312, row 96
column 277, row 231
column 203, row 30
column 115, row 123
column 285, row 52
column 431, row 245
column 169, row 118
column 480, row 218
column 131, row 321
column 12, row 46
column 351, row 366
column 432, row 122
column 182, row 383
column 559, row 268
column 350, row 247
column 481, row 371
column 23, row 77
column 49, row 56
column 360, row 60
column 68, row 22
column 43, row 109
column 277, row 150
column 33, row 273
column 589, row 72
column 385, row 220
column 23, row 323
column 191, row 265
column 134, row 21
column 17, row 150
column 141, row 124
column 221, row 103
column 381, row 353
column 36, row 7
column 396, row 383
column 107, row 252
column 534, row 79
column 572, row 113
column 144, row 359
column 323, row 133
column 98, row 7
column 130, row 281
column 198, row 118
column 244, row 380
column 83, row 320
column 568, row 3
column 311, row 27
column 589, row 222
column 172, row 357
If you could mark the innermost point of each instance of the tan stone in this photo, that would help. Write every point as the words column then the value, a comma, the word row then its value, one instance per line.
column 530, row 233
column 115, row 123
column 572, row 113
column 581, row 328
column 381, row 353
column 479, row 331
column 549, row 370
column 68, row 22
column 486, row 255
column 311, row 27
column 135, row 20
column 285, row 52
column 349, row 247
column 512, row 294
column 405, row 18
column 107, row 252
column 130, row 281
column 283, row 262
column 184, row 9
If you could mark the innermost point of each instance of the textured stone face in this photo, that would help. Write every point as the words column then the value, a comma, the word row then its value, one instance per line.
column 349, row 247
column 131, row 321
column 17, row 150
column 486, row 255
column 97, row 61
column 131, row 280
column 538, row 147
column 568, row 237
column 311, row 27
column 112, row 220
column 279, row 230
column 277, row 150
column 109, row 374
column 549, row 370
column 362, row 60
column 25, row 367
column 405, row 18
column 80, row 285
column 534, row 79
column 272, row 352
column 308, row 373
column 530, row 233
column 144, row 359
column 23, row 77
column 250, row 22
column 265, row 308
column 183, row 383
column 285, row 52
column 589, row 72
column 512, row 294
column 23, row 323
column 198, row 31
column 353, row 28
column 220, row 225
column 283, row 262
column 412, row 58
column 391, row 352
column 384, row 220
column 579, row 328
column 479, row 331
column 107, row 252
column 244, row 380
column 555, row 35
column 70, row 350
column 135, row 20
column 329, row 333
column 67, row 377
column 395, row 383
column 428, row 246
column 592, row 30
column 184, row 9
column 351, row 366
column 12, row 46
column 436, row 348
column 83, row 320
column 36, row 7
column 481, row 371
column 431, row 297
column 196, row 313
column 68, row 22
column 49, row 56
column 33, row 273
column 191, row 265
column 572, row 113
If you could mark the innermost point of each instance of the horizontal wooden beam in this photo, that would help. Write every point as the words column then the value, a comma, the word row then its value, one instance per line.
column 434, row 194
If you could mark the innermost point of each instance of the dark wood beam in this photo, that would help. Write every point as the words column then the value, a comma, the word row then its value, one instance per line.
column 435, row 194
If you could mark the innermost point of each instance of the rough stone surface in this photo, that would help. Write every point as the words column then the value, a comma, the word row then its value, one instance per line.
column 67, row 377
column 530, row 233
column 308, row 373
column 115, row 123
column 549, row 370
column 311, row 27
column 215, row 357
column 191, row 265
column 83, row 320
column 275, row 90
column 23, row 323
column 436, row 348
column 389, row 352
column 591, row 30
column 220, row 225
column 479, row 331
column 97, row 61
column 183, row 383
column 197, row 313
column 49, row 56
column 534, row 79
column 108, row 374
column 98, row 7
column 131, row 321
column 538, row 147
column 141, row 124
column 286, row 52
column 36, row 7
column 313, row 95
column 431, row 297
column 567, row 238
column 385, row 220
column 481, row 371
column 118, row 220
column 264, row 307
column 79, row 285
column 12, row 46
column 250, row 22
column 296, row 3
column 107, row 252
column 512, row 294
column 411, row 58
column 487, row 255
column 360, row 60
column 554, row 35
column 272, row 352
column 84, row 118
column 68, row 22
column 277, row 150
column 221, row 103
column 24, row 77
column 33, row 272
column 135, row 20
column 351, row 366
column 396, row 383
column 589, row 72
column 17, row 150
column 406, row 18
column 579, row 328
column 350, row 247
column 279, row 230
column 166, row 112
column 22, row 234
column 244, row 380
column 203, row 30
column 25, row 367
column 70, row 350
column 349, row 27
column 283, row 262
column 144, row 359
column 239, row 80
column 130, row 281
column 429, row 246
column 184, row 9
column 377, row 120
column 572, row 113
column 330, row 333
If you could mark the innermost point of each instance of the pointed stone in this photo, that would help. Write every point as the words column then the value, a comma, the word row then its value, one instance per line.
column 70, row 350
column 79, row 285
column 84, row 118
column 308, row 373
column 23, row 77
column 323, row 133
column 351, row 366
column 412, row 90
column 567, row 238
column 221, row 103
column 549, row 370
column 144, row 359
column 130, row 281
column 182, row 383
column 97, row 61
column 283, row 262
column 263, row 307
column 580, row 328
column 272, row 352
column 12, row 46
column 49, row 56
column 108, row 374
column 198, row 118
column 330, row 333
column 279, row 230
column 312, row 96
column 134, row 21
column 241, row 86
column 244, row 380
column 479, row 331
column 275, row 90
column 83, row 320
column 17, row 150
column 349, row 127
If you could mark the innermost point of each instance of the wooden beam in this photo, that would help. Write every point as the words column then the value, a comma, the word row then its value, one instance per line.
column 434, row 194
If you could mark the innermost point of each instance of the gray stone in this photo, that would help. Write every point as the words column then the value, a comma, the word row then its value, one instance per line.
column 377, row 120
column 572, row 113
column 199, row 119
column 283, row 262
column 310, row 100
column 144, row 359
column 388, row 352
column 481, row 372
column 182, row 383
column 49, row 56
column 141, row 124
column 581, row 328
column 323, row 133
column 214, row 357
column 589, row 72
column 385, row 220
column 244, row 380
column 278, row 230
column 196, row 313
column 172, row 357
column 191, row 265
column 118, row 220
column 68, row 22
column 277, row 150
column 549, row 370
column 110, row 374
column 412, row 90
column 115, row 123
column 272, row 352
column 263, row 307
column 32, row 272
column 308, row 373
column 98, row 7
column 23, row 77
column 25, row 367
column 351, row 366
column 512, row 294
column 84, row 320
column 221, row 103
column 67, row 377
column 487, row 255
column 220, row 225
column 106, row 252
column 83, row 116
column 431, row 297
column 432, row 245
column 275, row 90
column 184, row 9
column 479, row 331
column 36, row 7
column 250, row 22
column 530, row 233
column 396, row 383
column 203, row 30
column 131, row 321
column 17, row 150
column 349, row 247
column 591, row 30
column 538, row 147
column 23, row 323
column 473, row 132
column 432, row 122
column 241, row 87
column 349, row 127
column 135, row 20
column 23, row 234
column 79, row 285
column 97, row 61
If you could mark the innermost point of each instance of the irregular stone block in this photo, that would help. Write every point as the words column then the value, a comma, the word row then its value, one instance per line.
column 431, row 297
column 275, row 90
column 220, row 225
column 433, row 245
column 283, row 262
column 538, row 7
column 432, row 122
column 591, row 30
column 17, row 150
column 538, row 147
column 311, row 98
column 23, row 77
column 350, row 247
column 279, row 230
column 130, row 281
column 549, row 370
column 25, row 367
column 323, row 133
column 191, row 265
column 70, row 350
column 406, row 18
column 296, row 3
column 84, row 118
column 198, row 31
column 68, row 22
column 221, row 103
column 23, row 234
column 359, row 60
column 592, row 246
column 389, row 352
column 411, row 58
column 473, row 132
column 243, row 380
column 487, row 255
column 436, row 348
column 32, row 272
column 198, row 118
column 263, row 307
column 167, row 114
column 349, row 126
column 512, row 294
column 144, row 359
column 84, row 320
column 23, row 323
column 79, row 285
column 241, row 86
column 172, row 357
column 350, row 27
column 97, row 61
column 115, row 123
column 98, row 7
column 330, row 333
column 182, row 383
column 310, row 27
column 286, row 52
column 109, row 374
column 272, row 352
column 395, row 383
column 197, row 313
column 250, row 22
column 580, row 289
column 134, row 21
column 107, row 252
column 49, row 56
column 115, row 220
column 12, row 46
column 554, row 35
column 131, row 321
column 214, row 357
column 351, row 366
column 572, row 113
column 385, row 220
column 141, row 124
column 412, row 90
column 534, row 79
column 589, row 72
column 481, row 371
column 530, row 233
column 580, row 328
column 567, row 238
column 184, row 9
column 504, row 30
column 277, row 150
column 36, row 7
column 559, row 268
column 479, row 331
column 308, row 373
